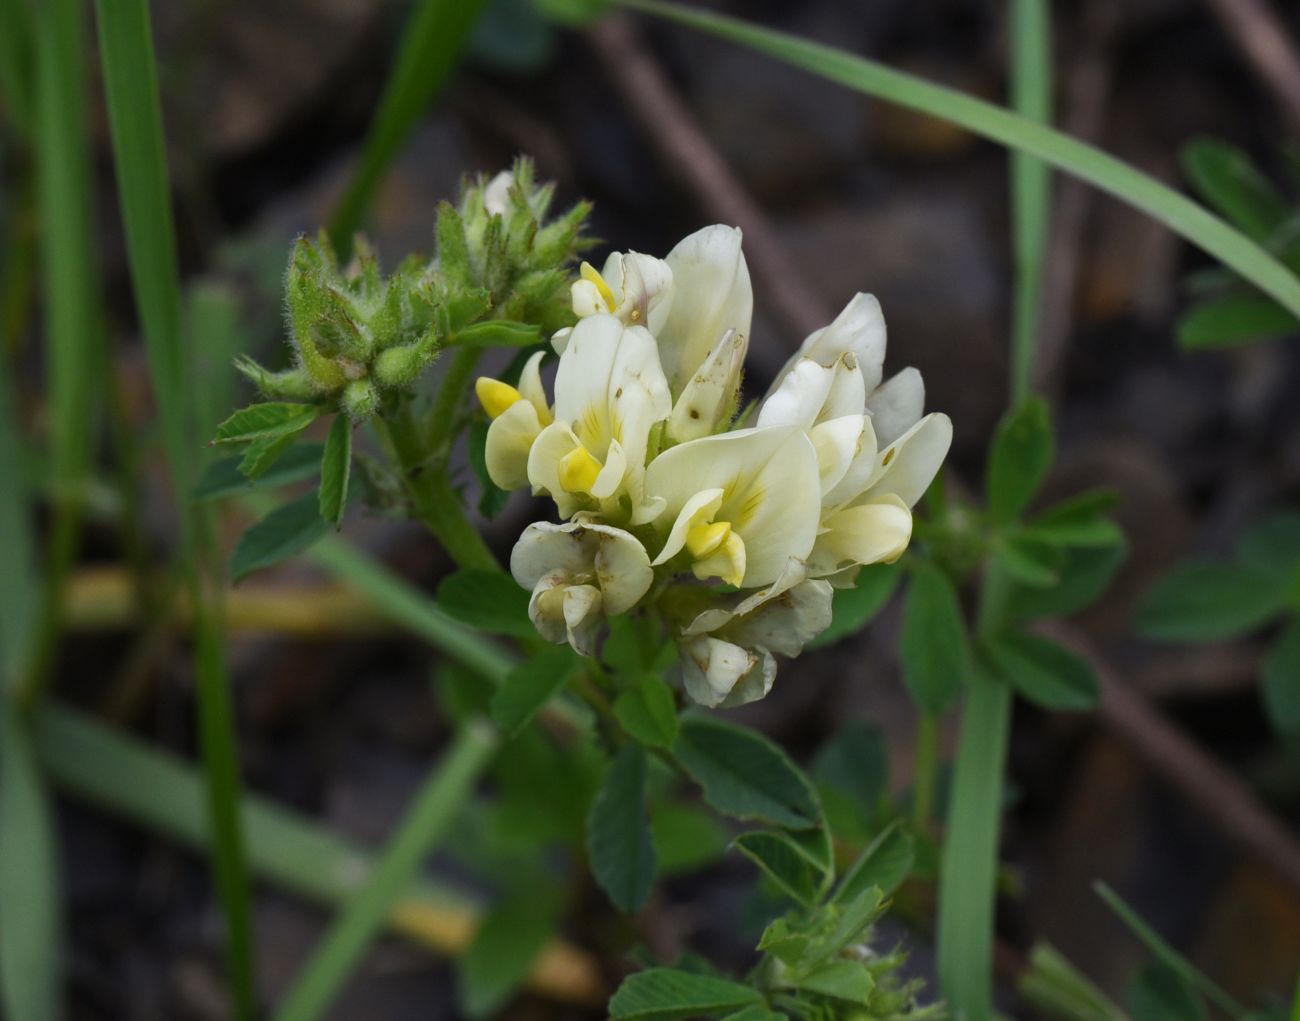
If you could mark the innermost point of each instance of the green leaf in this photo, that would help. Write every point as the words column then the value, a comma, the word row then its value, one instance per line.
column 844, row 980
column 492, row 498
column 223, row 477
column 1044, row 672
column 933, row 648
column 686, row 838
column 1226, row 178
column 1084, row 575
column 29, row 881
column 1234, row 319
column 1086, row 162
column 884, row 865
column 755, row 1012
column 431, row 43
column 498, row 333
column 1021, row 454
column 648, row 712
column 853, row 608
column 1281, row 679
column 335, row 470
column 266, row 421
column 745, row 775
column 287, row 530
column 784, row 862
column 1272, row 544
column 1031, row 561
column 505, row 947
column 1203, row 601
column 531, row 684
column 487, row 600
column 665, row 994
column 618, row 833
column 1079, row 522
column 1159, row 993
column 262, row 454
column 852, row 774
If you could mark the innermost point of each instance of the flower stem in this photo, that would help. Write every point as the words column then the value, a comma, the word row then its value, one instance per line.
column 436, row 504
column 455, row 384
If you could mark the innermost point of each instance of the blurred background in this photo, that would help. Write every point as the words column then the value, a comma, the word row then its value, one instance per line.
column 266, row 104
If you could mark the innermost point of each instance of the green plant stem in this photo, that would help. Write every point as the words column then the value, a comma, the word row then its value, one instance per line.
column 970, row 856
column 449, row 784
column 927, row 768
column 455, row 384
column 436, row 503
column 1086, row 162
column 1031, row 96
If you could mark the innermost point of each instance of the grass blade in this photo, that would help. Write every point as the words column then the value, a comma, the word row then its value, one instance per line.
column 15, row 62
column 1031, row 97
column 1167, row 955
column 1179, row 213
column 971, row 849
column 17, row 563
column 29, row 894
column 72, row 314
column 434, row 806
column 135, row 121
column 431, row 42
column 159, row 791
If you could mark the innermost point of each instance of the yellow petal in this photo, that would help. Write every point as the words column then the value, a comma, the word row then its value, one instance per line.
column 702, row 540
column 579, row 470
column 588, row 272
column 495, row 396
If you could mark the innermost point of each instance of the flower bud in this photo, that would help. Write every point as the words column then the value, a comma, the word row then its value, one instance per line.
column 360, row 400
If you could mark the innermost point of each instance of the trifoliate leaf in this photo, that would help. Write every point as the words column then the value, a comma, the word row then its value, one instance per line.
column 618, row 833
column 1021, row 454
column 1042, row 671
column 266, row 421
column 287, row 530
column 934, row 650
column 1203, row 601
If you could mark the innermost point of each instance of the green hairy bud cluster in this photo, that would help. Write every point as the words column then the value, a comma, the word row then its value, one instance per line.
column 500, row 275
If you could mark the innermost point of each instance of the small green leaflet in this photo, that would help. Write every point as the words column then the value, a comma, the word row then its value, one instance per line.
column 934, row 650
column 1202, row 601
column 1042, row 671
column 618, row 833
column 884, row 864
column 648, row 712
column 853, row 608
column 666, row 994
column 223, row 477
column 487, row 600
column 1227, row 179
column 843, row 980
column 287, row 530
column 531, row 685
column 336, row 470
column 505, row 947
column 266, row 421
column 1234, row 319
column 687, row 837
column 262, row 455
column 745, row 775
column 1021, row 454
column 784, row 862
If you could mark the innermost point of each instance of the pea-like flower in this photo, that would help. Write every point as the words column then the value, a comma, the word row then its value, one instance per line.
column 579, row 573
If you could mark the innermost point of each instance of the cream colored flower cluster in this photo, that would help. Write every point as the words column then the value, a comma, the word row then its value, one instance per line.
column 733, row 530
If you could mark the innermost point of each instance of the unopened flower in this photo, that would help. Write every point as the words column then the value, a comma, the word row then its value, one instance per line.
column 579, row 573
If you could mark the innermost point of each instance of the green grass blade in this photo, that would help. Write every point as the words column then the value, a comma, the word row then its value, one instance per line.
column 431, row 42
column 17, row 562
column 135, row 121
column 1031, row 96
column 159, row 791
column 434, row 806
column 16, row 62
column 971, row 849
column 72, row 314
column 29, row 894
column 1167, row 955
column 1086, row 162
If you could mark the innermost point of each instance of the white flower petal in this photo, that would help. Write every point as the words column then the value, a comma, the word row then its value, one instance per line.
column 867, row 533
column 772, row 491
column 582, row 617
column 711, row 668
column 699, row 509
column 799, row 398
column 858, row 330
column 530, row 386
column 711, row 392
column 837, row 443
column 909, row 465
column 711, row 294
column 643, row 286
column 786, row 624
column 510, row 440
column 897, row 405
column 859, row 473
column 792, row 573
column 496, row 195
